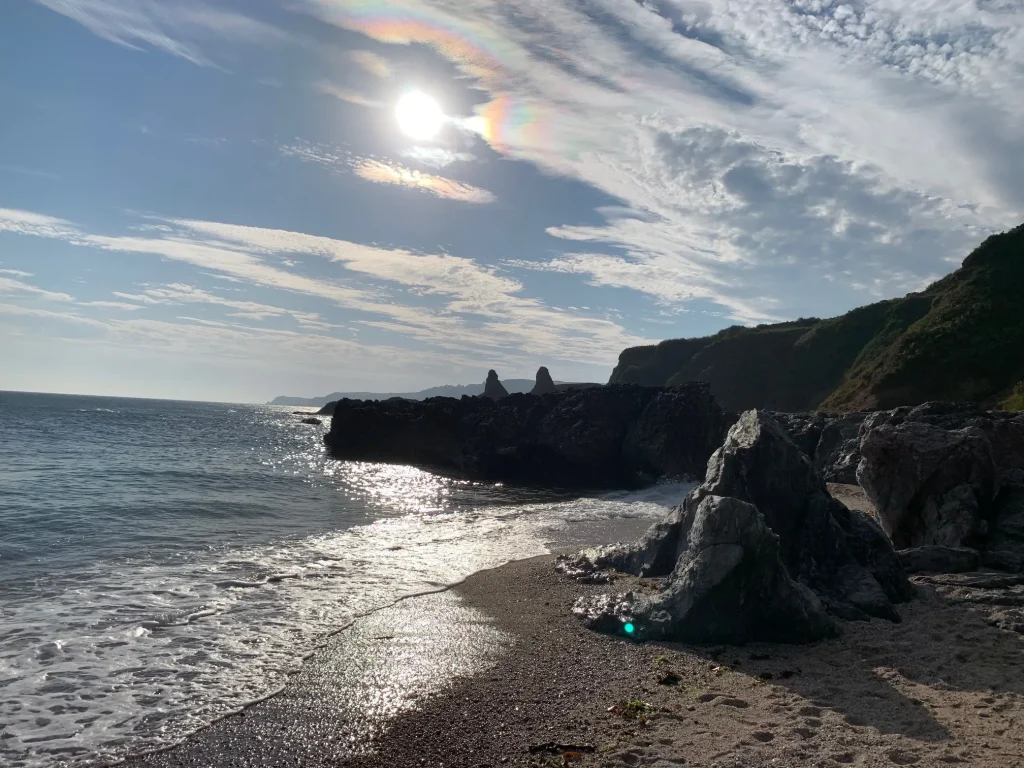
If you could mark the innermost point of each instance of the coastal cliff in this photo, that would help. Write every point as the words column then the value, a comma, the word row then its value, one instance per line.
column 612, row 436
column 958, row 340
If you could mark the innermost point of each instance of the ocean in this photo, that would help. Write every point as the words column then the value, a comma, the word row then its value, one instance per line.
column 163, row 563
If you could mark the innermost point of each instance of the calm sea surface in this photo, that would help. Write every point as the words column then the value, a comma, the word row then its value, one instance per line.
column 165, row 563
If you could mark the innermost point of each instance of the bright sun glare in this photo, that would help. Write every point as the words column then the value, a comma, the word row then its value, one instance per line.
column 419, row 115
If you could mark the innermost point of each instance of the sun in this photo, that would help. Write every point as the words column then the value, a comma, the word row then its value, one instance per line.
column 419, row 115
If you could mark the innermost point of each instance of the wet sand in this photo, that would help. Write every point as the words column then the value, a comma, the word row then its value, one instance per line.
column 941, row 688
column 944, row 687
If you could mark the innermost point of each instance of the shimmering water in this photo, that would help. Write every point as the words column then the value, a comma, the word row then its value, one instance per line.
column 164, row 563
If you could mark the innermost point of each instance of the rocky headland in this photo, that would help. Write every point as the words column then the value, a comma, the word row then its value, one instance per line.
column 614, row 436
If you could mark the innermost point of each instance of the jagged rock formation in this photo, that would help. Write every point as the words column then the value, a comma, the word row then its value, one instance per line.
column 493, row 387
column 616, row 436
column 544, row 383
column 759, row 551
column 958, row 340
column 950, row 476
column 831, row 440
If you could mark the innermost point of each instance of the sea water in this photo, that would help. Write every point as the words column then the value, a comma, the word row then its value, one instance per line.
column 163, row 563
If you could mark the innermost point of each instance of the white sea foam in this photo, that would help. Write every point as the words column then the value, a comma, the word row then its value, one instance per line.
column 135, row 655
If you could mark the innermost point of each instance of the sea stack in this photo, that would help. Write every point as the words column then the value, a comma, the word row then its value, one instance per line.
column 493, row 388
column 544, row 382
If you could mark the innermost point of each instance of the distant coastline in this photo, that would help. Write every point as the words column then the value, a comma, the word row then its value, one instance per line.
column 446, row 390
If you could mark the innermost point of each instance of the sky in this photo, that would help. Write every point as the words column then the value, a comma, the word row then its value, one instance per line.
column 236, row 199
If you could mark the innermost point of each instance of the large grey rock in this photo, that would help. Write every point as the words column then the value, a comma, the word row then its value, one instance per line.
column 929, row 485
column 841, row 555
column 837, row 453
column 493, row 388
column 544, row 383
column 934, row 559
column 729, row 585
column 830, row 440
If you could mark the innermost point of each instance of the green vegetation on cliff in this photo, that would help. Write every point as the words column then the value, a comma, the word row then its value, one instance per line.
column 960, row 339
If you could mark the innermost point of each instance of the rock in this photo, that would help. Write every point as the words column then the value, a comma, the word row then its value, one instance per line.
column 729, row 586
column 571, row 438
column 544, row 383
column 311, row 420
column 929, row 485
column 830, row 440
column 935, row 559
column 1008, row 517
column 770, row 505
column 493, row 388
column 837, row 453
column 1003, row 560
column 328, row 409
column 948, row 475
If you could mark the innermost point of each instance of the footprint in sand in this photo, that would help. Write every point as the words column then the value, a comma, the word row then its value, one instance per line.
column 729, row 701
column 764, row 736
column 901, row 757
column 844, row 758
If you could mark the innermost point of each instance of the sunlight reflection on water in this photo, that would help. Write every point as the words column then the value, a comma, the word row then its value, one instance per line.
column 165, row 563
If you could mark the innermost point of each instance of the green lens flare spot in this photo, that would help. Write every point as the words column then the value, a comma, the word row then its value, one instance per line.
column 630, row 629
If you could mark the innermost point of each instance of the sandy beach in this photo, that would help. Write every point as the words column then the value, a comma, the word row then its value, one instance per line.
column 943, row 687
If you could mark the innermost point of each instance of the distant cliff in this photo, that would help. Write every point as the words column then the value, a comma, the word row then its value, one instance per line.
column 961, row 339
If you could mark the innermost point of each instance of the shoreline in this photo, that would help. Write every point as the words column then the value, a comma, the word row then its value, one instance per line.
column 335, row 644
column 941, row 688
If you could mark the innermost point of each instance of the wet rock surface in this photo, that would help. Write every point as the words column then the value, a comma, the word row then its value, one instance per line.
column 614, row 436
column 759, row 551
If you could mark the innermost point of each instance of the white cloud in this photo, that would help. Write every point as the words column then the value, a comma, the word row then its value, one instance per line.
column 179, row 293
column 755, row 146
column 15, row 272
column 371, row 63
column 111, row 305
column 9, row 286
column 345, row 94
column 481, row 311
column 388, row 172
column 175, row 27
column 436, row 157
column 398, row 175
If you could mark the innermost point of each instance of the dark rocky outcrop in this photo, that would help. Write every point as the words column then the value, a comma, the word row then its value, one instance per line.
column 831, row 440
column 615, row 436
column 493, row 387
column 544, row 383
column 937, row 559
column 960, row 339
column 948, row 475
column 763, row 516
column 312, row 420
column 328, row 409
